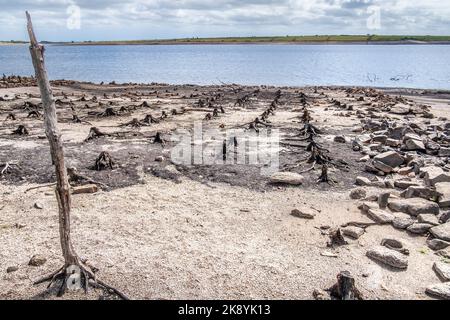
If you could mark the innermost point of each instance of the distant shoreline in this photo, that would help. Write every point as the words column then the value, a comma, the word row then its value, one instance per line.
column 276, row 40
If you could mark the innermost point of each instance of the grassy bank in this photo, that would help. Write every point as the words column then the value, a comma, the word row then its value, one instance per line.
column 278, row 39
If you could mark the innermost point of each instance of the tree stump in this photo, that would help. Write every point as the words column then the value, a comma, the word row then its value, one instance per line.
column 21, row 130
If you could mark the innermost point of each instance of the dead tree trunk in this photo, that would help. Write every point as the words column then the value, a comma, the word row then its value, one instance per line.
column 71, row 258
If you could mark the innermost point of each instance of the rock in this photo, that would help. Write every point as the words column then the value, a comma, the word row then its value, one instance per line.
column 358, row 193
column 366, row 206
column 389, row 257
column 419, row 228
column 353, row 232
column 380, row 216
column 393, row 143
column 405, row 171
column 38, row 205
column 382, row 167
column 420, row 192
column 391, row 158
column 443, row 270
column 401, row 109
column 414, row 145
column 413, row 206
column 287, row 178
column 428, row 218
column 383, row 200
column 443, row 188
column 444, row 217
column 394, row 244
column 437, row 244
column 405, row 184
column 441, row 290
column 402, row 220
column 37, row 260
column 433, row 175
column 442, row 231
column 12, row 269
column 364, row 159
column 339, row 139
column 88, row 188
column 444, row 152
column 305, row 214
column 363, row 181
column 159, row 159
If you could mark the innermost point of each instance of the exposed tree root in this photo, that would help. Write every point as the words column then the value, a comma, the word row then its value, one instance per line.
column 76, row 178
column 67, row 278
column 94, row 133
column 324, row 176
column 8, row 168
column 34, row 114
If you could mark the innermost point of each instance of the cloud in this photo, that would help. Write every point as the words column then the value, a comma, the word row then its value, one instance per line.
column 138, row 19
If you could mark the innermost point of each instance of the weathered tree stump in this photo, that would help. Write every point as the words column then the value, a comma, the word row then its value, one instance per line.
column 34, row 114
column 345, row 288
column 95, row 133
column 21, row 130
column 158, row 138
column 149, row 119
column 11, row 116
column 103, row 162
column 336, row 238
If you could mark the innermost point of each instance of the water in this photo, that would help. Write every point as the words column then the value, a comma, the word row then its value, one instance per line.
column 413, row 66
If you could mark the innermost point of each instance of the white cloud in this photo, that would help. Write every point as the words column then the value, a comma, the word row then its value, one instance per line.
column 131, row 19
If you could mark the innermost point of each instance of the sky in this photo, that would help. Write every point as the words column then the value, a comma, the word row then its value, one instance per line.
column 80, row 20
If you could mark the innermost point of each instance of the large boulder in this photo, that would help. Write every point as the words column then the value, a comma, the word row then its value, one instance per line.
column 391, row 158
column 442, row 231
column 413, row 206
column 389, row 257
column 287, row 178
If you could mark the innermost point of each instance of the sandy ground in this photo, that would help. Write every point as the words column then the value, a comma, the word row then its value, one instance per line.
column 158, row 239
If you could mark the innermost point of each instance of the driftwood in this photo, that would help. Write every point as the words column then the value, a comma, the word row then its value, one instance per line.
column 72, row 261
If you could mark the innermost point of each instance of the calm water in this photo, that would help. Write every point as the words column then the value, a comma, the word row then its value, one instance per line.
column 412, row 66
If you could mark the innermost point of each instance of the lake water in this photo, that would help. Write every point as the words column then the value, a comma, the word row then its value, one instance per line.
column 414, row 66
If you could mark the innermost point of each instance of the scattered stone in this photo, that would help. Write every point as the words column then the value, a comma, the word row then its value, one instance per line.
column 380, row 216
column 443, row 270
column 89, row 188
column 413, row 206
column 402, row 220
column 364, row 159
column 442, row 231
column 443, row 188
column 357, row 194
column 382, row 167
column 319, row 294
column 428, row 218
column 339, row 139
column 420, row 192
column 159, row 159
column 405, row 171
column 419, row 228
column 287, row 178
column 389, row 257
column 37, row 260
column 444, row 152
column 363, row 181
column 441, row 290
column 12, row 269
column 305, row 214
column 38, row 205
column 394, row 244
column 328, row 254
column 393, row 143
column 437, row 244
column 391, row 158
column 405, row 184
column 353, row 232
column 433, row 175
column 383, row 200
column 444, row 217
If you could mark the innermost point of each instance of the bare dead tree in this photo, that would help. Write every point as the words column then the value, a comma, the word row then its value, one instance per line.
column 71, row 259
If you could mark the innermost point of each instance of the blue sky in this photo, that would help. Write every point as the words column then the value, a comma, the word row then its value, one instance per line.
column 152, row 19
